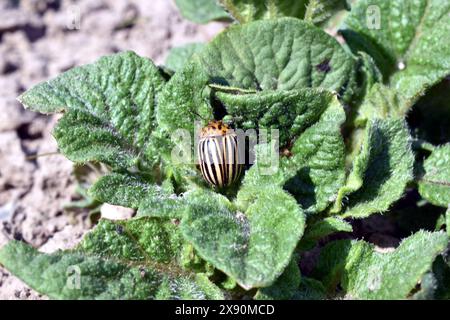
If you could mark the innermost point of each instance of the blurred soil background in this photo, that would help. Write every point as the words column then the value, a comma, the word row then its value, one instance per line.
column 39, row 39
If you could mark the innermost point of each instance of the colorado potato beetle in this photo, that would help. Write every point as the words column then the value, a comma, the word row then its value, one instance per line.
column 218, row 154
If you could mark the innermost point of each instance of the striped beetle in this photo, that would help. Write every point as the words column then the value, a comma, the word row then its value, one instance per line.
column 218, row 154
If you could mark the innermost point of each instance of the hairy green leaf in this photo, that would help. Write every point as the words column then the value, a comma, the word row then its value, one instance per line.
column 162, row 206
column 133, row 191
column 380, row 102
column 321, row 229
column 405, row 38
column 133, row 259
column 315, row 170
column 310, row 289
column 148, row 240
column 284, row 287
column 428, row 286
column 435, row 284
column 272, row 55
column 109, row 106
column 171, row 206
column 184, row 100
column 252, row 247
column 201, row 11
column 435, row 184
column 123, row 190
column 359, row 165
column 365, row 273
column 370, row 73
column 319, row 11
column 179, row 56
column 441, row 274
column 290, row 112
column 209, row 288
column 385, row 165
column 262, row 55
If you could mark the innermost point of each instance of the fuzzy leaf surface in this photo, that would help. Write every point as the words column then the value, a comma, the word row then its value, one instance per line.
column 253, row 247
column 407, row 44
column 365, row 273
column 125, row 190
column 290, row 112
column 201, row 11
column 283, row 54
column 385, row 165
column 178, row 56
column 134, row 259
column 435, row 184
column 310, row 289
column 313, row 173
column 284, row 287
column 322, row 228
column 109, row 110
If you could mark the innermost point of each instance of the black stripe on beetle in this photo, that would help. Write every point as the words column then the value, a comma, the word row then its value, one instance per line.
column 218, row 154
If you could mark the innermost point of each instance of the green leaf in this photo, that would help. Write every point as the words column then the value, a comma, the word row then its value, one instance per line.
column 123, row 190
column 133, row 191
column 365, row 273
column 284, row 287
column 435, row 184
column 178, row 56
column 290, row 112
column 253, row 248
column 380, row 102
column 109, row 106
column 133, row 259
column 327, row 226
column 407, row 45
column 315, row 11
column 211, row 290
column 201, row 11
column 385, row 165
column 162, row 206
column 359, row 166
column 151, row 241
column 370, row 73
column 435, row 285
column 171, row 206
column 262, row 55
column 315, row 170
column 321, row 229
column 184, row 100
column 272, row 55
column 441, row 273
column 319, row 11
column 310, row 289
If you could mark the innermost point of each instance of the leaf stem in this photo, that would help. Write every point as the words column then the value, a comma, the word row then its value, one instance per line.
column 45, row 154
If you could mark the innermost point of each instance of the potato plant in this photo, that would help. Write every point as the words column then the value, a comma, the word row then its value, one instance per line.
column 358, row 135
